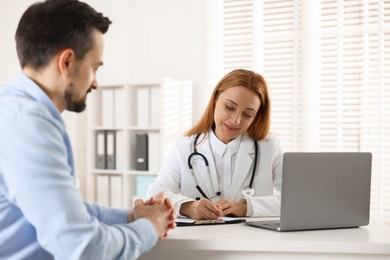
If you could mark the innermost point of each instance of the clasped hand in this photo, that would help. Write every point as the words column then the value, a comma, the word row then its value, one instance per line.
column 158, row 210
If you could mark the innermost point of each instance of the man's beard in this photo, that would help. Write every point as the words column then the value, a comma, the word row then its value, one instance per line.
column 72, row 104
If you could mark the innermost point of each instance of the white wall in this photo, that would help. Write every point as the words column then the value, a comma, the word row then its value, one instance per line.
column 148, row 40
column 151, row 39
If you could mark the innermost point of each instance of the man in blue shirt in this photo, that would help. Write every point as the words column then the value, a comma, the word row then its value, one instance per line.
column 42, row 214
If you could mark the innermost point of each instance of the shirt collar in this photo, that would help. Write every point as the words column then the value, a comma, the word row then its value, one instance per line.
column 31, row 89
column 220, row 148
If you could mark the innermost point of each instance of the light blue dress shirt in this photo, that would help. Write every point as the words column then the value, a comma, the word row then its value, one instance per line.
column 42, row 213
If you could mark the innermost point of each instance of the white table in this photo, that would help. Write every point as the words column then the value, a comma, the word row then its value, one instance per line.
column 239, row 241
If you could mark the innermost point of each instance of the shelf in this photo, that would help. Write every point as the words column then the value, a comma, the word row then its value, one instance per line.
column 129, row 128
column 142, row 128
column 118, row 172
column 132, row 126
column 141, row 173
column 113, row 128
column 106, row 172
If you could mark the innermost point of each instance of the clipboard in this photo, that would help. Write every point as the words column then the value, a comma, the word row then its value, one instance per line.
column 182, row 222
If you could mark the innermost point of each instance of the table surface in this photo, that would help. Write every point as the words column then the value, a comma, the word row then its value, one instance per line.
column 371, row 239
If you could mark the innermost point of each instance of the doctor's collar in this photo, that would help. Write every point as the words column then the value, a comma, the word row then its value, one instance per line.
column 220, row 148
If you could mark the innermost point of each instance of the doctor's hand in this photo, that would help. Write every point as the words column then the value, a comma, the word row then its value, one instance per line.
column 201, row 209
column 230, row 208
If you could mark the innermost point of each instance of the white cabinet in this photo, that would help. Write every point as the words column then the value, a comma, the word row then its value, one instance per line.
column 130, row 130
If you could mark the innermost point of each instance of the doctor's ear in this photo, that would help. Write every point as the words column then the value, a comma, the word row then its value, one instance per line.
column 65, row 61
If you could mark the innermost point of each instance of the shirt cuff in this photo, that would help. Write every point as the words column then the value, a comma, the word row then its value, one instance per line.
column 249, row 208
column 111, row 216
column 147, row 233
column 177, row 206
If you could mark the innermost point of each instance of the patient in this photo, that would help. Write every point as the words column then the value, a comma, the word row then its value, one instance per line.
column 42, row 213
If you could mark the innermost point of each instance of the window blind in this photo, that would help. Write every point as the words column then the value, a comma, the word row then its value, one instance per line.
column 327, row 64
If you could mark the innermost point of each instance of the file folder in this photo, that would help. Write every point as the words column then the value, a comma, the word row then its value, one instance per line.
column 143, row 107
column 108, row 107
column 100, row 150
column 119, row 107
column 116, row 191
column 142, row 184
column 119, row 150
column 141, row 152
column 155, row 107
column 154, row 152
column 110, row 149
column 102, row 190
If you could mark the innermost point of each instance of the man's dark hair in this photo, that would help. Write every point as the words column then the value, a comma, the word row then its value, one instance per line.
column 53, row 25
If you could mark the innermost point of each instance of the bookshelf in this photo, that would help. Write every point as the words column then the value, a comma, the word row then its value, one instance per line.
column 130, row 130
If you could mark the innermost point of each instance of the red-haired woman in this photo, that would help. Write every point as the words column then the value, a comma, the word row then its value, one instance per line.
column 228, row 164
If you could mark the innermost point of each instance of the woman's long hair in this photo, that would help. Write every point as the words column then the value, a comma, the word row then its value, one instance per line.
column 250, row 80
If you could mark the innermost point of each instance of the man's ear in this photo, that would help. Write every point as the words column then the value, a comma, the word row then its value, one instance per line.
column 66, row 60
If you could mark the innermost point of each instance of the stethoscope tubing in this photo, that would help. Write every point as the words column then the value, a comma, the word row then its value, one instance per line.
column 196, row 153
column 254, row 166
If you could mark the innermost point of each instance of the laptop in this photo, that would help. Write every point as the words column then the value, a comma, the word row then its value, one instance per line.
column 323, row 191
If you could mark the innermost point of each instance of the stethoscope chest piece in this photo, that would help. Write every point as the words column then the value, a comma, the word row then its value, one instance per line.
column 248, row 192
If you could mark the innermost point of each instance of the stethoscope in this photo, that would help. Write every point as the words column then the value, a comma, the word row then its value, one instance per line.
column 246, row 192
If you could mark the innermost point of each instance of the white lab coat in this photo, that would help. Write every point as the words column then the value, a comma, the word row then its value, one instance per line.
column 177, row 182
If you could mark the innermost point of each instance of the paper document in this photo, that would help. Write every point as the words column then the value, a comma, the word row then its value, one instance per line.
column 180, row 221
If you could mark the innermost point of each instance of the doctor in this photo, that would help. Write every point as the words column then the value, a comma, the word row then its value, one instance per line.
column 227, row 164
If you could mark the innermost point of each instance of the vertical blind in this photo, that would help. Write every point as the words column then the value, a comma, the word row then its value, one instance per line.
column 327, row 64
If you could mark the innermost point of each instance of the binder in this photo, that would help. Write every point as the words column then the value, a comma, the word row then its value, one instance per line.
column 119, row 107
column 119, row 150
column 141, row 162
column 100, row 150
column 143, row 107
column 142, row 184
column 108, row 107
column 102, row 191
column 110, row 150
column 154, row 152
column 155, row 107
column 116, row 191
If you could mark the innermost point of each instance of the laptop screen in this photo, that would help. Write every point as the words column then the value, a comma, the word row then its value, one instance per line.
column 325, row 190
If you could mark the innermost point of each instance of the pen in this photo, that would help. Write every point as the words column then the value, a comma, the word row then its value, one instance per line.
column 205, row 196
column 201, row 192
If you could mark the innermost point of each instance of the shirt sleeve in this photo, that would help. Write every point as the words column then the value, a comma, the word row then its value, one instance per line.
column 38, row 175
column 109, row 216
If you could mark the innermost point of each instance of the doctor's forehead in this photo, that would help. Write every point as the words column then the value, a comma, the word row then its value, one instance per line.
column 241, row 96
